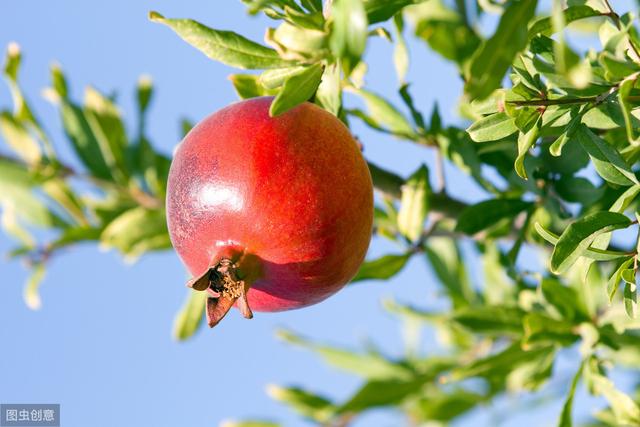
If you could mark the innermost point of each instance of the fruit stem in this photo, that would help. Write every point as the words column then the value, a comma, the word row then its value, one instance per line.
column 225, row 289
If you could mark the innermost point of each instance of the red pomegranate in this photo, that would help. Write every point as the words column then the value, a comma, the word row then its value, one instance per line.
column 272, row 213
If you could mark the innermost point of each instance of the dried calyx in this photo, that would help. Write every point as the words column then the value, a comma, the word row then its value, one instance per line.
column 224, row 289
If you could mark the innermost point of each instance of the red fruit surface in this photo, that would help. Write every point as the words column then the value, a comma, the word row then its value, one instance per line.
column 292, row 192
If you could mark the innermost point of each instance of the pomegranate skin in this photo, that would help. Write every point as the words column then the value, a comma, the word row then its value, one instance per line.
column 291, row 191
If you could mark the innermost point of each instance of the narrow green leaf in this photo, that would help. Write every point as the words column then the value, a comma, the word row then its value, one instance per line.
column 248, row 86
column 16, row 193
column 492, row 320
column 349, row 31
column 607, row 160
column 106, row 125
column 414, row 204
column 382, row 10
column 563, row 298
column 572, row 13
column 366, row 365
column 31, row 289
column 492, row 128
column 448, row 265
column 623, row 94
column 628, row 275
column 296, row 90
column 625, row 410
column 83, row 141
column 144, row 93
column 578, row 190
column 400, row 50
column 136, row 231
column 482, row 215
column 614, row 281
column 274, row 78
column 525, row 142
column 329, row 93
column 385, row 181
column 380, row 393
column 539, row 329
column 224, row 46
column 386, row 115
column 190, row 317
column 594, row 253
column 566, row 419
column 381, row 268
column 576, row 238
column 19, row 139
column 494, row 57
column 306, row 403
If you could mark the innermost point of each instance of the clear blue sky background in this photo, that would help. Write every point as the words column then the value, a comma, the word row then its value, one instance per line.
column 101, row 345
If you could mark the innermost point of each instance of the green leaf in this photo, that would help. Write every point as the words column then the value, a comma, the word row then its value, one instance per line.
column 297, row 44
column 349, row 31
column 572, row 13
column 578, row 236
column 448, row 265
column 623, row 95
column 31, row 289
column 386, row 182
column 274, row 78
column 626, row 411
column 296, row 90
column 84, row 142
column 225, row 46
column 248, row 86
column 414, row 204
column 136, row 231
column 190, row 317
column 625, row 199
column 578, row 190
column 386, row 115
column 382, row 10
column 144, row 93
column 614, row 281
column 445, row 31
column 608, row 162
column 304, row 402
column 617, row 68
column 379, row 393
column 366, row 365
column 630, row 292
column 491, row 320
column 563, row 298
column 381, row 268
column 17, row 136
column 542, row 329
column 16, row 193
column 480, row 216
column 498, row 365
column 106, row 125
column 525, row 142
column 492, row 128
column 400, row 50
column 565, row 416
column 329, row 93
column 592, row 252
column 494, row 57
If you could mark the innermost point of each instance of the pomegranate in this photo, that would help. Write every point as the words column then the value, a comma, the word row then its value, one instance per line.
column 269, row 213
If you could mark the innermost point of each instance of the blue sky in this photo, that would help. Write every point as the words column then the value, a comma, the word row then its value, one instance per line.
column 101, row 345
